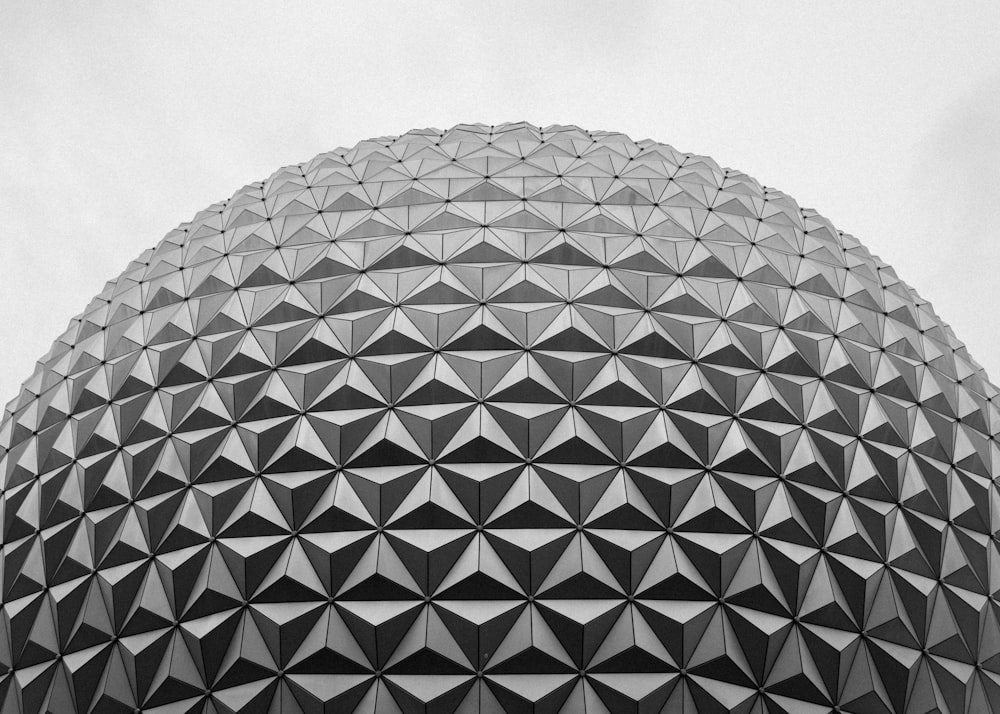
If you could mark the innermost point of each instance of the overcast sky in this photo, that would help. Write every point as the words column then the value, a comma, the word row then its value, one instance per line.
column 120, row 120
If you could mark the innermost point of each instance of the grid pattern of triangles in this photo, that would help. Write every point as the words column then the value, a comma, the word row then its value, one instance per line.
column 502, row 419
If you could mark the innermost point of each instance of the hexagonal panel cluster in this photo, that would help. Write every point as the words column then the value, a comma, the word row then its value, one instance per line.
column 502, row 419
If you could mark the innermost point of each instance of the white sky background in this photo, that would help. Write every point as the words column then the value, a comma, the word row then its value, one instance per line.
column 119, row 121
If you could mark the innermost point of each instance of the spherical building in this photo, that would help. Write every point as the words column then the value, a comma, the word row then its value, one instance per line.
column 502, row 419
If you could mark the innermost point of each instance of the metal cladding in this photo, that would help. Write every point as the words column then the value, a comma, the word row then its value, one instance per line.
column 503, row 419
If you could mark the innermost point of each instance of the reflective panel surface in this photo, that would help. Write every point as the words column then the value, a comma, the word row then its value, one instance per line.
column 502, row 419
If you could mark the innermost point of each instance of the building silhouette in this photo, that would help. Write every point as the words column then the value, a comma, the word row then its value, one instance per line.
column 502, row 419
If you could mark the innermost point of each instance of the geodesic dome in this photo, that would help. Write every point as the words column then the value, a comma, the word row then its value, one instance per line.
column 502, row 419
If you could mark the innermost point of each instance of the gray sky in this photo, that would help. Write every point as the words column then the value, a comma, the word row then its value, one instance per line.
column 120, row 120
